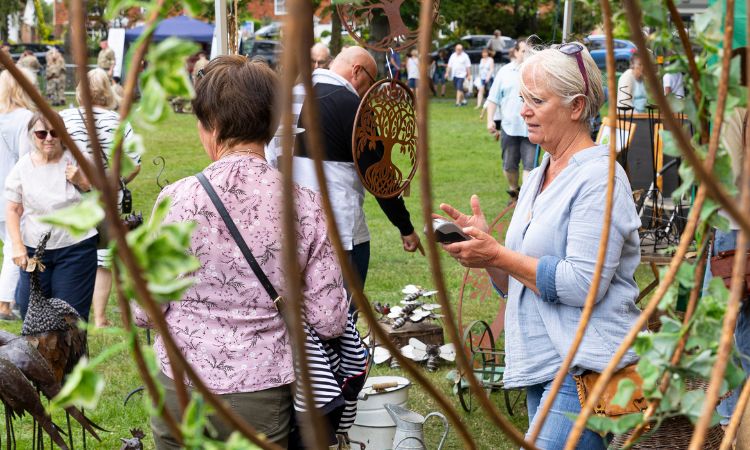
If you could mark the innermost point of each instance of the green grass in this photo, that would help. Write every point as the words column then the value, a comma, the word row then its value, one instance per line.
column 465, row 160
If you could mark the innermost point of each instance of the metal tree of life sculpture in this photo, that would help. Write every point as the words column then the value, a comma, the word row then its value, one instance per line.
column 359, row 15
column 384, row 143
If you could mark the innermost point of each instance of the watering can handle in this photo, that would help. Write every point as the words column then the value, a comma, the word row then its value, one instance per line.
column 445, row 424
column 398, row 444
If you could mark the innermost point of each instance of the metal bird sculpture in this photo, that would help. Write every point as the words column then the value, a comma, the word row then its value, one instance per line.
column 51, row 324
column 19, row 397
column 133, row 443
column 36, row 369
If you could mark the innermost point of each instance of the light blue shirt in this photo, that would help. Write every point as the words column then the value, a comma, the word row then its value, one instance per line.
column 561, row 226
column 505, row 92
column 14, row 143
column 639, row 96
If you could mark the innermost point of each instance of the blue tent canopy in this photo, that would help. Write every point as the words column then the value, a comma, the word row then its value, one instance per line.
column 180, row 26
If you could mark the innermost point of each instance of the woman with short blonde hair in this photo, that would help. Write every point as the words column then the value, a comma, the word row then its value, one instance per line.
column 546, row 265
column 106, row 122
column 16, row 109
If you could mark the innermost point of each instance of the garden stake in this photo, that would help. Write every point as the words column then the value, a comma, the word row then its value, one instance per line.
column 632, row 9
column 315, row 146
column 734, row 424
column 425, row 33
column 314, row 430
column 590, row 301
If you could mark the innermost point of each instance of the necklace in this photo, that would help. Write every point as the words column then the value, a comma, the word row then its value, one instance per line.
column 246, row 151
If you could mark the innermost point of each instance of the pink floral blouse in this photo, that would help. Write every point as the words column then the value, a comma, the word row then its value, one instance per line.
column 226, row 325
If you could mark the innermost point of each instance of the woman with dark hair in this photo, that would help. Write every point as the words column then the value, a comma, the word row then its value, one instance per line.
column 243, row 347
column 44, row 181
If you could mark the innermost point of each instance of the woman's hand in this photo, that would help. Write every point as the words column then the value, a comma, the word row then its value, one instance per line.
column 482, row 251
column 74, row 174
column 476, row 220
column 20, row 257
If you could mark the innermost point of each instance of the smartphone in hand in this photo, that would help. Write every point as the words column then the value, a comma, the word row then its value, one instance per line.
column 447, row 232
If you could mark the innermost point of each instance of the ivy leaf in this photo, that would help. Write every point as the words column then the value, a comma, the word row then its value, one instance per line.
column 625, row 390
column 701, row 364
column 83, row 388
column 78, row 219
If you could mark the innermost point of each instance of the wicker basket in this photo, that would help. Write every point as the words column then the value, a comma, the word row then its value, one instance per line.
column 675, row 433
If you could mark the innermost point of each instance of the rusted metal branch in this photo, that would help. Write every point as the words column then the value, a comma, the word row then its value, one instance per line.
column 692, row 67
column 131, row 81
column 149, row 382
column 464, row 365
column 314, row 431
column 590, row 301
column 315, row 146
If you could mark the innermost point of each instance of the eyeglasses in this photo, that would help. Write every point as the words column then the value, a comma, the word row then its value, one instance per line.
column 368, row 74
column 42, row 134
column 575, row 49
column 321, row 62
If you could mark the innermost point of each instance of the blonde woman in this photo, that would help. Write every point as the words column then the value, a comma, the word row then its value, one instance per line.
column 15, row 112
column 106, row 121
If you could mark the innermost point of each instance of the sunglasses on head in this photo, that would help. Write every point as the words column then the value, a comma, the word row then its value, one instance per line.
column 575, row 49
column 42, row 134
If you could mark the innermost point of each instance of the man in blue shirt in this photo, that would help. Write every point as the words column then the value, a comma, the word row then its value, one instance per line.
column 514, row 142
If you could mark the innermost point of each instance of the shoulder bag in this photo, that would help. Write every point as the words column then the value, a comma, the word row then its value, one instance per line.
column 340, row 363
column 604, row 406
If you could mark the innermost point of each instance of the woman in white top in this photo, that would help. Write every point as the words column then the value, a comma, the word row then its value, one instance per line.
column 631, row 87
column 15, row 112
column 484, row 80
column 106, row 122
column 412, row 69
column 43, row 182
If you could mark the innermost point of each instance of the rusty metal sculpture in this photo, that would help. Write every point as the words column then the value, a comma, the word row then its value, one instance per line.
column 358, row 15
column 384, row 128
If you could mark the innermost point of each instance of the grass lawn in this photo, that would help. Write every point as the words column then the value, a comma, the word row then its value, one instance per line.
column 465, row 160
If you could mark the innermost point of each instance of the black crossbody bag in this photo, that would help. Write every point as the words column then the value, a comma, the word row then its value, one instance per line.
column 345, row 356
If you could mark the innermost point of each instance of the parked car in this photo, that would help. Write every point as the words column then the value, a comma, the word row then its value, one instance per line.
column 623, row 51
column 473, row 45
column 272, row 30
column 268, row 51
column 40, row 51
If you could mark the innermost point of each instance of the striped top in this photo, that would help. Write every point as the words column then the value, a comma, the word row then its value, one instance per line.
column 106, row 122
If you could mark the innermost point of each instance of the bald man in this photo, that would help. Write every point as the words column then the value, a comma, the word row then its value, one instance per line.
column 320, row 56
column 338, row 91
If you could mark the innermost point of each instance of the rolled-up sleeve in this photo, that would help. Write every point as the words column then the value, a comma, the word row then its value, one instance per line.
column 546, row 272
column 575, row 272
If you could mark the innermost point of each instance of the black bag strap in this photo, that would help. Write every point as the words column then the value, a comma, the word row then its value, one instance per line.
column 277, row 300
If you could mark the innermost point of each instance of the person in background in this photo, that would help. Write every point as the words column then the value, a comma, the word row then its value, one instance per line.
column 514, row 134
column 29, row 61
column 546, row 265
column 106, row 59
column 631, row 89
column 496, row 45
column 199, row 65
column 412, row 70
column 459, row 68
column 234, row 104
column 394, row 65
column 106, row 122
column 55, row 74
column 484, row 78
column 674, row 84
column 339, row 91
column 441, row 65
column 320, row 56
column 44, row 181
column 16, row 109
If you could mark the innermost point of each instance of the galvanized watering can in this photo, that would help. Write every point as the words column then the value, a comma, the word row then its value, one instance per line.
column 409, row 426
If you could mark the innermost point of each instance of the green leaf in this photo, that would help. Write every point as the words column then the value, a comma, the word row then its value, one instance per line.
column 83, row 388
column 625, row 390
column 692, row 404
column 78, row 219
